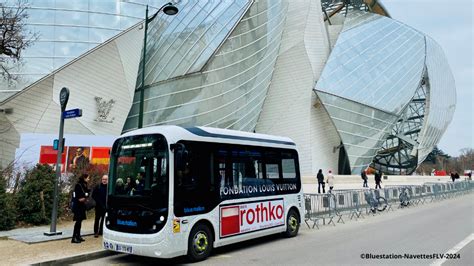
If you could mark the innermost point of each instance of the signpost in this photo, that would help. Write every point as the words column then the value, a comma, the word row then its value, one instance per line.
column 63, row 98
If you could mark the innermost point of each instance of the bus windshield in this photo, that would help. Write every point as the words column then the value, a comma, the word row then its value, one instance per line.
column 140, row 168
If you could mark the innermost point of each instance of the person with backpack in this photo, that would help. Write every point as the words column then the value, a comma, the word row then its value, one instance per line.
column 100, row 196
column 321, row 183
column 79, row 197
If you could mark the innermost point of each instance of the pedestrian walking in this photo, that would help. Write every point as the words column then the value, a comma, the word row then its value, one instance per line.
column 320, row 178
column 452, row 176
column 330, row 181
column 100, row 196
column 363, row 175
column 378, row 179
column 80, row 194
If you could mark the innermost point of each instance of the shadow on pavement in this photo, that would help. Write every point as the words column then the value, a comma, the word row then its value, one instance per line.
column 139, row 260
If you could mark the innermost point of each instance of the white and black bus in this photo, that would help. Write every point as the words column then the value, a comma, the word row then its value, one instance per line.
column 182, row 191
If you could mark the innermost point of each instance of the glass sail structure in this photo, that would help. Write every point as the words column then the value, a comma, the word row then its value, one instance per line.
column 397, row 76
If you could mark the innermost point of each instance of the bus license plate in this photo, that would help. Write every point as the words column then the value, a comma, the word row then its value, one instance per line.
column 124, row 248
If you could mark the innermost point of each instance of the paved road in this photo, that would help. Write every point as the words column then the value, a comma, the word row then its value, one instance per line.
column 424, row 230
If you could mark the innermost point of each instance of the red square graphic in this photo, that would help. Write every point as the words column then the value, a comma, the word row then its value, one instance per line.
column 230, row 223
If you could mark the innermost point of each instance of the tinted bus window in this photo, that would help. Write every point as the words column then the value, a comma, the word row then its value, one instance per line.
column 288, row 165
column 194, row 184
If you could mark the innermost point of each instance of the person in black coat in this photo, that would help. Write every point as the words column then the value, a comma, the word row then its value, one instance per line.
column 80, row 194
column 378, row 179
column 100, row 196
column 363, row 175
column 453, row 177
column 320, row 178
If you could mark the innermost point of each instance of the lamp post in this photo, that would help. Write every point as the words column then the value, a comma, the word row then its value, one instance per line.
column 170, row 10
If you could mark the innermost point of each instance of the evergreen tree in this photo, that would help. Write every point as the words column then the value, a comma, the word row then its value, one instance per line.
column 7, row 214
column 36, row 195
column 434, row 154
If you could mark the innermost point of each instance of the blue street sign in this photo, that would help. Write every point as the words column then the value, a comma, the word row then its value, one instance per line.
column 72, row 113
column 56, row 144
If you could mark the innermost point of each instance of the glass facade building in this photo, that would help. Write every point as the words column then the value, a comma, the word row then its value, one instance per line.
column 212, row 64
column 341, row 78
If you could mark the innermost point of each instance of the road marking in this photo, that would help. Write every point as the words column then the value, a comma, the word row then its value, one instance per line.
column 454, row 250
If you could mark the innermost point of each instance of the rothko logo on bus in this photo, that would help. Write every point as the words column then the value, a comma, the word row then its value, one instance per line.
column 250, row 217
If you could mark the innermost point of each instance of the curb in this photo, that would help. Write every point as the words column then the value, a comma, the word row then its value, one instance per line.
column 77, row 258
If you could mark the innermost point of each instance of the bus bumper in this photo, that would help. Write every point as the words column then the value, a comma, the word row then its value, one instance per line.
column 161, row 248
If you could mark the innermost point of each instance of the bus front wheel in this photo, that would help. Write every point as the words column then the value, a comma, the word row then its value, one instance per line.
column 292, row 224
column 200, row 243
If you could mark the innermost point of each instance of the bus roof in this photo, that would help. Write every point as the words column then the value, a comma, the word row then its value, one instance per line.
column 209, row 134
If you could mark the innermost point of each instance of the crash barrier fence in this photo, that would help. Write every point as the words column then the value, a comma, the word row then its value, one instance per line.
column 332, row 208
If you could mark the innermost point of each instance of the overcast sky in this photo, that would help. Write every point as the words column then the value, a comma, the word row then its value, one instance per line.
column 450, row 24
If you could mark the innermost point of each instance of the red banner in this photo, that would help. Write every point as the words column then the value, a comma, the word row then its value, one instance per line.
column 440, row 173
column 49, row 156
column 100, row 155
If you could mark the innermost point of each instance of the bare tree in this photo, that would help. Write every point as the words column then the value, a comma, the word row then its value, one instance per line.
column 14, row 37
column 467, row 159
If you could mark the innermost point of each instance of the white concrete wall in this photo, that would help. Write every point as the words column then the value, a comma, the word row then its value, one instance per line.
column 289, row 108
column 96, row 75
column 109, row 71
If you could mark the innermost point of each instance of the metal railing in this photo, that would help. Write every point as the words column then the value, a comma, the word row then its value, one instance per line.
column 331, row 208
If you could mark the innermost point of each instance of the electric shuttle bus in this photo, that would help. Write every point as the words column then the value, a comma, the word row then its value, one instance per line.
column 182, row 191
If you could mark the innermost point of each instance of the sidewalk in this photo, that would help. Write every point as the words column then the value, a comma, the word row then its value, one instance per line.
column 29, row 245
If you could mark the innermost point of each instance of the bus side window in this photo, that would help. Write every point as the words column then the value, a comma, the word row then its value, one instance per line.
column 272, row 171
column 288, row 168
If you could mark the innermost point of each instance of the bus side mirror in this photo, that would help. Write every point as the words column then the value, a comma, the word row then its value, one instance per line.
column 180, row 155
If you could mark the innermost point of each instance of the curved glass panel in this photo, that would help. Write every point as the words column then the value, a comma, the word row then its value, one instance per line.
column 362, row 128
column 424, row 120
column 378, row 63
column 230, row 89
column 442, row 98
column 67, row 29
column 398, row 154
column 183, row 43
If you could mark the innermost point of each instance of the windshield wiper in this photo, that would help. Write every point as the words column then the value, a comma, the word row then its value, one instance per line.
column 144, row 207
